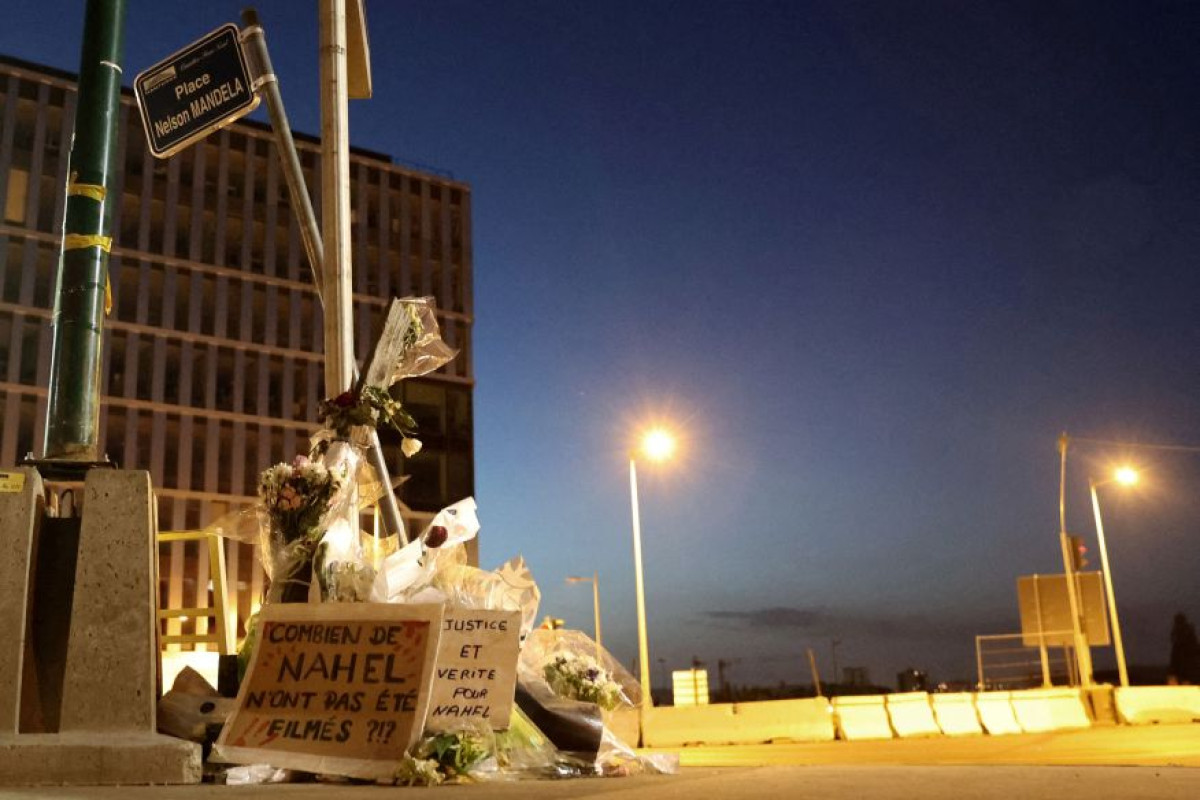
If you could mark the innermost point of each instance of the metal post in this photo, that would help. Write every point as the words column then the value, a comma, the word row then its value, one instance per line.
column 80, row 296
column 1043, row 655
column 1108, row 588
column 1083, row 655
column 596, row 604
column 335, row 198
column 979, row 684
column 266, row 82
column 643, row 649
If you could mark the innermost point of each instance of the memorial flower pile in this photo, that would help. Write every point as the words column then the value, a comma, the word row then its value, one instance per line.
column 580, row 677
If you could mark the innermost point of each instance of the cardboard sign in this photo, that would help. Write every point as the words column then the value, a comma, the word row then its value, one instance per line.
column 338, row 688
column 476, row 674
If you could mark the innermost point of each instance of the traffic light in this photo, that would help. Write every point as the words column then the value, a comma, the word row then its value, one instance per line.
column 1078, row 553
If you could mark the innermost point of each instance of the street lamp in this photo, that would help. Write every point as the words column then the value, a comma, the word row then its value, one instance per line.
column 1125, row 476
column 1083, row 653
column 657, row 445
column 595, row 582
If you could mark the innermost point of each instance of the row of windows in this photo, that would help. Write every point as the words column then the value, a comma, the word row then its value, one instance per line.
column 403, row 220
column 187, row 452
column 197, row 302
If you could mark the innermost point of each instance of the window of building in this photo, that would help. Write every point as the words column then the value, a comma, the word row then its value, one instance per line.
column 18, row 191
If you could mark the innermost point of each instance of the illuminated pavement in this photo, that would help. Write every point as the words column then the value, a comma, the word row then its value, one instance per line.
column 1159, row 745
column 1144, row 763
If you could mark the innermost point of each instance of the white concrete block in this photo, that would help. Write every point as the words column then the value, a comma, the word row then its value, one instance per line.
column 996, row 713
column 955, row 713
column 911, row 715
column 1148, row 705
column 1052, row 709
column 862, row 717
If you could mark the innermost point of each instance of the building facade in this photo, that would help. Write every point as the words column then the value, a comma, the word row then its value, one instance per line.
column 213, row 366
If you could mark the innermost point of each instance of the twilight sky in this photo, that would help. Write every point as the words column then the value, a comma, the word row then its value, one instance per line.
column 869, row 258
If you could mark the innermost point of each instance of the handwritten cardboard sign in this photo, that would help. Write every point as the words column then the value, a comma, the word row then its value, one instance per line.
column 338, row 688
column 476, row 673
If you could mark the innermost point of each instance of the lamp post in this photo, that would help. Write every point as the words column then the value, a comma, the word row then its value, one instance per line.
column 1083, row 653
column 595, row 582
column 657, row 445
column 1127, row 477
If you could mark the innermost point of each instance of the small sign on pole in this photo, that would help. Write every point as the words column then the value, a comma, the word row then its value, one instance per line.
column 190, row 94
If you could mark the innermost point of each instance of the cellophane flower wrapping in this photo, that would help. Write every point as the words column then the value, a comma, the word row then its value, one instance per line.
column 344, row 571
column 423, row 350
column 297, row 499
column 574, row 667
column 463, row 755
column 578, row 688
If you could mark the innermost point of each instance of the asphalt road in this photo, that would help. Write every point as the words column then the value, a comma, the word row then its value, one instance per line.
column 1098, row 764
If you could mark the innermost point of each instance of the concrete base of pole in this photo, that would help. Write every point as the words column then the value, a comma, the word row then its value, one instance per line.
column 84, row 758
column 98, row 725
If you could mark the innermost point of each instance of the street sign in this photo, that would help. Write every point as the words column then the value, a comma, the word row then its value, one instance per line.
column 195, row 91
column 1046, row 610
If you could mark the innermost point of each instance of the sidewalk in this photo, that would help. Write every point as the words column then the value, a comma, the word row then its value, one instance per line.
column 775, row 783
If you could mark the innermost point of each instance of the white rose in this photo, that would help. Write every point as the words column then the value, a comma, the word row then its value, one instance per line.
column 410, row 447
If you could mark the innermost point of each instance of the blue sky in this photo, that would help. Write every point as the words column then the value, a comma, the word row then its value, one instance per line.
column 870, row 258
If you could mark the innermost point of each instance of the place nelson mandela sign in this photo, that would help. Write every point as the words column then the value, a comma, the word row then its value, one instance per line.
column 190, row 94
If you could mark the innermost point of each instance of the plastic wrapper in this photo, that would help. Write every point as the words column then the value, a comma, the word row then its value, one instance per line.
column 344, row 571
column 298, row 502
column 566, row 682
column 570, row 656
column 524, row 752
column 616, row 758
column 423, row 349
column 463, row 755
column 254, row 774
column 410, row 570
column 509, row 588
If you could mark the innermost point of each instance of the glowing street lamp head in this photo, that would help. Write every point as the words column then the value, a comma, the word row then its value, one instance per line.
column 658, row 444
column 1126, row 476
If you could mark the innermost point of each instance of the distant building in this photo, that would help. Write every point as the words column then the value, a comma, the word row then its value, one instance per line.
column 912, row 680
column 213, row 361
column 856, row 676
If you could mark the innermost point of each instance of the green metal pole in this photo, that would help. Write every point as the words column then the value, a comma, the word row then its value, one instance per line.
column 73, row 414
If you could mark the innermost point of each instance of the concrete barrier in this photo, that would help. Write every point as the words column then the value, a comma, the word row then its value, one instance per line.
column 996, row 713
column 861, row 717
column 1040, row 710
column 623, row 723
column 955, row 713
column 799, row 720
column 1148, row 705
column 803, row 720
column 911, row 715
column 675, row 726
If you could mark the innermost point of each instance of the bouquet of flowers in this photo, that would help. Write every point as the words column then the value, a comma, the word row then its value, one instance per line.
column 295, row 500
column 447, row 756
column 366, row 407
column 577, row 676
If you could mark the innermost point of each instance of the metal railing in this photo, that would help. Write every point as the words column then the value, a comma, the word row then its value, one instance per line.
column 1005, row 662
